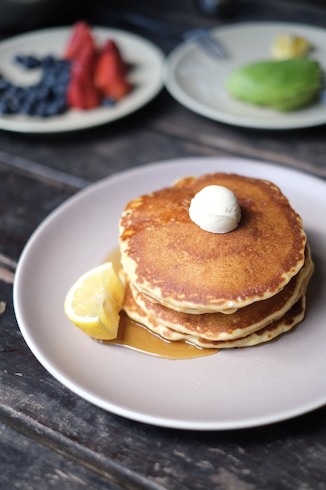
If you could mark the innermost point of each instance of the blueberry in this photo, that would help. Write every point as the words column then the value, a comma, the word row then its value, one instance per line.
column 15, row 90
column 18, row 58
column 51, row 109
column 63, row 78
column 28, row 62
column 47, row 61
column 28, row 107
column 47, row 98
column 60, row 90
column 21, row 97
column 43, row 93
column 108, row 102
column 10, row 103
column 30, row 101
column 11, row 89
column 61, row 104
column 32, row 62
column 4, row 109
column 4, row 84
column 41, row 109
column 48, row 80
column 63, row 64
column 25, row 108
column 30, row 90
column 15, row 99
column 13, row 105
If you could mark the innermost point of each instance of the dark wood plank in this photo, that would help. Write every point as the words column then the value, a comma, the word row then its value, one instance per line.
column 24, row 203
column 301, row 149
column 165, row 130
column 49, row 432
column 27, row 464
column 103, row 151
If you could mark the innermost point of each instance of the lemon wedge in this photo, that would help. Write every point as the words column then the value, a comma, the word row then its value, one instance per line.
column 287, row 46
column 94, row 301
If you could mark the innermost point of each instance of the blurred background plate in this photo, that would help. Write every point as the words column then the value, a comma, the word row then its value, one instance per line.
column 198, row 81
column 145, row 75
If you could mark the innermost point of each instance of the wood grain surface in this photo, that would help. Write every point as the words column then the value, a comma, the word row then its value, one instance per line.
column 49, row 437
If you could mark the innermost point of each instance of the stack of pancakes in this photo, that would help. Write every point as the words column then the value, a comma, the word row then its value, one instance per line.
column 214, row 290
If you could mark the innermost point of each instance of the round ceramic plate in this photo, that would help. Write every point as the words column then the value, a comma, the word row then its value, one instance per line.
column 145, row 75
column 198, row 81
column 231, row 389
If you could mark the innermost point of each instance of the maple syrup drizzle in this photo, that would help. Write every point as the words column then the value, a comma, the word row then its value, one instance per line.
column 134, row 336
column 137, row 337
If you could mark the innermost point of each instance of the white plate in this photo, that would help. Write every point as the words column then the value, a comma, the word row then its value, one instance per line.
column 198, row 81
column 146, row 77
column 231, row 389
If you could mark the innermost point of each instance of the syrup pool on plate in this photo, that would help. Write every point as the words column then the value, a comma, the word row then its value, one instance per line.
column 137, row 337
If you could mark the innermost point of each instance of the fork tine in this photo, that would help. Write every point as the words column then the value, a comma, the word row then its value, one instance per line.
column 217, row 46
column 212, row 47
column 208, row 48
column 207, row 42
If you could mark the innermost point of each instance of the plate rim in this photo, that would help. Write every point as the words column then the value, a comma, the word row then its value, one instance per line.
column 219, row 116
column 167, row 422
column 35, row 126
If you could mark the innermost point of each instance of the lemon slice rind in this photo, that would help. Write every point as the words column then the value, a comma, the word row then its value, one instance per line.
column 94, row 301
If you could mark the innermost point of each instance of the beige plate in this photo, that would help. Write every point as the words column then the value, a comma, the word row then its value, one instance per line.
column 228, row 390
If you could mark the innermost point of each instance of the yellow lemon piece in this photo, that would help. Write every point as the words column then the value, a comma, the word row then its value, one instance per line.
column 287, row 46
column 94, row 301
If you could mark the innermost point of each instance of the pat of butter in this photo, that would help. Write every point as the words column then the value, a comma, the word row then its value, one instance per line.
column 215, row 209
column 287, row 46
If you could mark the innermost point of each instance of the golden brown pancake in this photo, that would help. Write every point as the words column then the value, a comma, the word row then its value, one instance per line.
column 217, row 326
column 270, row 332
column 293, row 316
column 174, row 262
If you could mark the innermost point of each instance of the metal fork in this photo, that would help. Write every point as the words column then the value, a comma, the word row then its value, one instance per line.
column 207, row 43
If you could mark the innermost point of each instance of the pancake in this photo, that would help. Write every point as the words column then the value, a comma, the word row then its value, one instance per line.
column 270, row 332
column 217, row 326
column 292, row 317
column 177, row 264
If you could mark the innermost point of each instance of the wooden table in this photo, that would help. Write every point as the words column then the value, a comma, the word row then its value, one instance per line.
column 51, row 438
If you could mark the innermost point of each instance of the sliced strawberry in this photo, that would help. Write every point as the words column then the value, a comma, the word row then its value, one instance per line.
column 119, row 88
column 111, row 47
column 81, row 93
column 109, row 77
column 81, row 96
column 81, row 37
column 75, row 96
